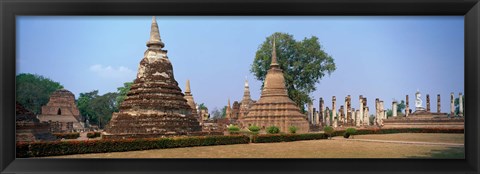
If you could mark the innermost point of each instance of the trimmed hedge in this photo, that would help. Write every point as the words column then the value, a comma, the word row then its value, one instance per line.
column 74, row 135
column 93, row 134
column 38, row 149
column 288, row 137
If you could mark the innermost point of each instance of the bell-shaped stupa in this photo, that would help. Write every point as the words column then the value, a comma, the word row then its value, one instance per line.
column 274, row 108
column 155, row 106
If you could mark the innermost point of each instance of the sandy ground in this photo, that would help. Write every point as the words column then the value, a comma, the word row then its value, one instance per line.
column 433, row 146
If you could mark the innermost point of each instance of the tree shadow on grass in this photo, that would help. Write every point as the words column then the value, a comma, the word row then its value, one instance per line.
column 449, row 153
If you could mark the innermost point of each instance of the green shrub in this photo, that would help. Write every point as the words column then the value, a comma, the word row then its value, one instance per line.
column 346, row 135
column 329, row 131
column 74, row 135
column 38, row 149
column 93, row 134
column 351, row 131
column 292, row 129
column 272, row 138
column 232, row 129
column 273, row 130
column 254, row 129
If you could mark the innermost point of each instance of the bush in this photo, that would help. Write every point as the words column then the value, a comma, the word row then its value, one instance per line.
column 254, row 129
column 346, row 135
column 273, row 130
column 74, row 135
column 232, row 129
column 93, row 134
column 329, row 131
column 350, row 131
column 38, row 149
column 292, row 129
column 271, row 138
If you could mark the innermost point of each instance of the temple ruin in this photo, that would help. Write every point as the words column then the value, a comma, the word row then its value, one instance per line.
column 274, row 108
column 28, row 128
column 155, row 106
column 62, row 112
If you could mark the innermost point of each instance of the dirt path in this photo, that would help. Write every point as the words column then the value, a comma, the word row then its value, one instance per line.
column 400, row 142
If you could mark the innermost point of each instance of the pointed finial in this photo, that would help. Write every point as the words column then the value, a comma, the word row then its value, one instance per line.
column 187, row 87
column 246, row 81
column 229, row 102
column 155, row 35
column 274, row 54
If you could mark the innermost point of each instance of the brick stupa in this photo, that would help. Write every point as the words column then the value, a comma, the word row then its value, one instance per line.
column 62, row 112
column 155, row 106
column 274, row 108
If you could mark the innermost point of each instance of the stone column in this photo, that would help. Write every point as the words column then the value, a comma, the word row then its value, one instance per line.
column 310, row 112
column 345, row 110
column 428, row 102
column 366, row 117
column 327, row 117
column 383, row 113
column 407, row 111
column 438, row 104
column 452, row 105
column 335, row 122
column 322, row 111
column 341, row 112
column 314, row 118
column 460, row 105
column 360, row 98
column 394, row 109
column 334, row 110
column 357, row 118
column 349, row 109
column 317, row 118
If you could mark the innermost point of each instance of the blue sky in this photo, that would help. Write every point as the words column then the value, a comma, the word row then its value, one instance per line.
column 377, row 57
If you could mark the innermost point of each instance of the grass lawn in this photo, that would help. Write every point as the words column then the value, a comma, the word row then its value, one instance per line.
column 311, row 149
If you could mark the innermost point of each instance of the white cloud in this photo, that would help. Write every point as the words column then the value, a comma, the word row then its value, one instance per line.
column 112, row 72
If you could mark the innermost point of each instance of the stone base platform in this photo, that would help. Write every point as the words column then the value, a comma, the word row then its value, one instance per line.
column 424, row 120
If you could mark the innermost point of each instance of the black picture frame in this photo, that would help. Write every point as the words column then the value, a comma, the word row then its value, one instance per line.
column 470, row 9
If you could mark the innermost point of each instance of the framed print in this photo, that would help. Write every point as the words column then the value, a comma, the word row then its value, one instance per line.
column 239, row 86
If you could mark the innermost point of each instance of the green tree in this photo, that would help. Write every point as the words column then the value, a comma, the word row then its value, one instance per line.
column 103, row 107
column 457, row 105
column 84, row 104
column 202, row 106
column 224, row 111
column 33, row 91
column 304, row 63
column 389, row 113
column 98, row 108
column 216, row 113
column 401, row 107
column 122, row 92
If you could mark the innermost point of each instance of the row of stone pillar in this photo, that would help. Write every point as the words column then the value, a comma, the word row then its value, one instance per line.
column 452, row 105
column 360, row 117
column 345, row 115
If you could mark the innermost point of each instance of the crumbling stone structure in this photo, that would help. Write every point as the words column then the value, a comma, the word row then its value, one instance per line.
column 155, row 106
column 63, row 112
column 29, row 128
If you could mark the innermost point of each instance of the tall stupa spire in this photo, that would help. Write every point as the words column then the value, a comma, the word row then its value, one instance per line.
column 274, row 54
column 155, row 35
column 187, row 87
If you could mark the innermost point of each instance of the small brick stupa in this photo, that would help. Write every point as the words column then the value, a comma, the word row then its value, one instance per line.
column 62, row 112
column 274, row 108
column 155, row 106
